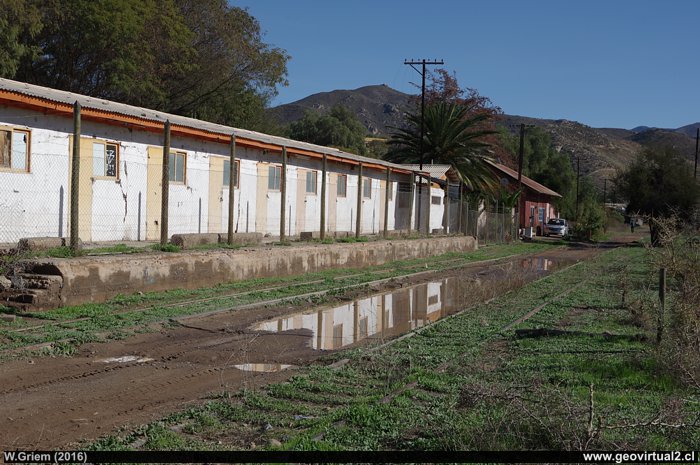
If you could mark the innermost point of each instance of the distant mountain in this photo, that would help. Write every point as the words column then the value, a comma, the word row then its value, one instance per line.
column 690, row 130
column 602, row 150
column 378, row 107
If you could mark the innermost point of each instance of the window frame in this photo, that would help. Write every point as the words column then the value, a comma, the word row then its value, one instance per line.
column 27, row 160
column 177, row 153
column 117, row 148
column 367, row 185
column 236, row 174
column 312, row 174
column 344, row 194
column 278, row 178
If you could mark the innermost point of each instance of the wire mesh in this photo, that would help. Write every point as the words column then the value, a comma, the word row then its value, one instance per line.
column 121, row 201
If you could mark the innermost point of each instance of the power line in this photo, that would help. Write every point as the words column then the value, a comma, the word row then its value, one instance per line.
column 412, row 64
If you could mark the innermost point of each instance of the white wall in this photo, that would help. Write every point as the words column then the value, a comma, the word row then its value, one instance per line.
column 30, row 203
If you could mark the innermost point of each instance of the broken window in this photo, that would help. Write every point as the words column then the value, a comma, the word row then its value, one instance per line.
column 227, row 173
column 177, row 167
column 311, row 182
column 14, row 149
column 105, row 159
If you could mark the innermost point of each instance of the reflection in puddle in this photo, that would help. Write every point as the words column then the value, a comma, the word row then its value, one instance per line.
column 263, row 367
column 392, row 314
column 126, row 359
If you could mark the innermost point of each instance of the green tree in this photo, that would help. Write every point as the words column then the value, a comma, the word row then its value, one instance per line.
column 20, row 22
column 338, row 128
column 204, row 59
column 545, row 165
column 659, row 184
column 453, row 134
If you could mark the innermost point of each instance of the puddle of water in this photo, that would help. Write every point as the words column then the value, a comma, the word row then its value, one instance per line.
column 126, row 359
column 263, row 367
column 392, row 314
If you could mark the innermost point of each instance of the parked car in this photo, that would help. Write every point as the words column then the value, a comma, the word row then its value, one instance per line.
column 557, row 227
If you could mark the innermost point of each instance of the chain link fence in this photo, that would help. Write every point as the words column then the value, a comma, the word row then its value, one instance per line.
column 120, row 194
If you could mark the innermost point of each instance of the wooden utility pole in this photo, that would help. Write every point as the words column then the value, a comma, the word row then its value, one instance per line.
column 662, row 305
column 412, row 64
column 283, row 193
column 231, row 187
column 578, row 178
column 358, row 220
column 75, row 181
column 165, row 185
column 697, row 140
column 324, row 170
column 386, row 202
column 521, row 156
column 411, row 201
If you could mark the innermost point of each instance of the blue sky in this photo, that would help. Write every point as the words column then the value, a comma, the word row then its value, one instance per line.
column 613, row 63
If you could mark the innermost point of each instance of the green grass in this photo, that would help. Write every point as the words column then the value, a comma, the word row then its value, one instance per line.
column 115, row 249
column 165, row 248
column 464, row 383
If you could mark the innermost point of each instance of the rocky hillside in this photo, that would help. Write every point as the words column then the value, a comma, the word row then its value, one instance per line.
column 378, row 107
column 602, row 150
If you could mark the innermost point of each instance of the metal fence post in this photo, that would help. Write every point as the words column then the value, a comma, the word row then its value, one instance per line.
column 165, row 183
column 74, row 181
column 231, row 188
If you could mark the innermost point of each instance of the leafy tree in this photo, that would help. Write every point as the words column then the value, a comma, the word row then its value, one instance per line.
column 338, row 128
column 444, row 87
column 659, row 184
column 453, row 135
column 19, row 24
column 545, row 165
column 196, row 58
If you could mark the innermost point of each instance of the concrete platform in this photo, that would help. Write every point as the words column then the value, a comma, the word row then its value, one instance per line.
column 99, row 278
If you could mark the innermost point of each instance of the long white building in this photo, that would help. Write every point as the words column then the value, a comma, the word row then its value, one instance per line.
column 121, row 159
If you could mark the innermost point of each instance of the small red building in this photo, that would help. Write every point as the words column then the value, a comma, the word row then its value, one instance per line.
column 536, row 204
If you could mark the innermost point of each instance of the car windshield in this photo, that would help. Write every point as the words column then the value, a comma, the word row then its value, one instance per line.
column 557, row 221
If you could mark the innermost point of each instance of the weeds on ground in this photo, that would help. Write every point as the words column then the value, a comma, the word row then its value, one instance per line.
column 465, row 383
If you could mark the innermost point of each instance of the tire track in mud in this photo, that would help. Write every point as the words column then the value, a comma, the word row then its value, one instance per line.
column 187, row 362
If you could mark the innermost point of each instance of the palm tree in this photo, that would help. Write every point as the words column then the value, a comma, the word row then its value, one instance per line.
column 453, row 135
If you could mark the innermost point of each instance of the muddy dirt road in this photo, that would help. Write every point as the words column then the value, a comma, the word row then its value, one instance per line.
column 57, row 402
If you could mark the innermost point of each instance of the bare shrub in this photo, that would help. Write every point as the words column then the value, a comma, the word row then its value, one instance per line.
column 680, row 256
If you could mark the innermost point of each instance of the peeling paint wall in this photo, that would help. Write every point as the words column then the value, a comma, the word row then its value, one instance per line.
column 127, row 207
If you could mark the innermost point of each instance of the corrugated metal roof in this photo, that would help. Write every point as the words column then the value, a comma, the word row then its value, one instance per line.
column 534, row 185
column 435, row 171
column 107, row 106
